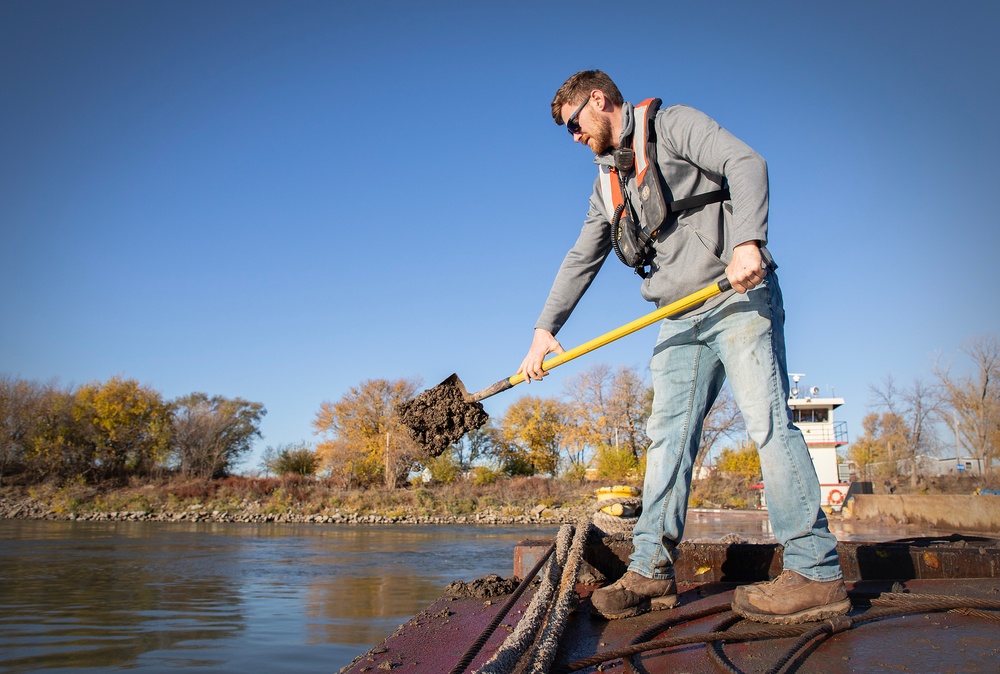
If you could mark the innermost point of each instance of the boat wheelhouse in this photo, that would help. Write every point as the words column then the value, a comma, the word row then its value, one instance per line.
column 814, row 416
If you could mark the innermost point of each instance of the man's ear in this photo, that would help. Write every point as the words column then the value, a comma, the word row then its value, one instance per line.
column 601, row 99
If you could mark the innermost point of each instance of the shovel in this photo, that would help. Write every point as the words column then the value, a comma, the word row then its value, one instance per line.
column 441, row 415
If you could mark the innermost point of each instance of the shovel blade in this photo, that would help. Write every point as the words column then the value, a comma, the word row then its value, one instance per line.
column 440, row 416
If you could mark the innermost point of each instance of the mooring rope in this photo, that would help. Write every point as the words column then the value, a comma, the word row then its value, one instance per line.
column 532, row 646
column 934, row 601
column 484, row 636
column 506, row 657
column 547, row 643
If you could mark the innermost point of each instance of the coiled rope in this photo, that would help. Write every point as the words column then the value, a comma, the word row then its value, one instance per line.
column 617, row 526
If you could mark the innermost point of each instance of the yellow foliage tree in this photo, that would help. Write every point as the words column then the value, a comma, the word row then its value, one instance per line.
column 56, row 447
column 530, row 435
column 741, row 463
column 364, row 441
column 616, row 463
column 724, row 420
column 126, row 427
column 883, row 440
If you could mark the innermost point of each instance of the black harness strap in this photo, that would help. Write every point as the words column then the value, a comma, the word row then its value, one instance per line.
column 698, row 200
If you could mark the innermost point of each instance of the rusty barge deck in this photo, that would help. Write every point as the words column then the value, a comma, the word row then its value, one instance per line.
column 920, row 605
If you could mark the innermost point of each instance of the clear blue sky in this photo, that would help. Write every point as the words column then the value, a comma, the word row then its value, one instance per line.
column 279, row 200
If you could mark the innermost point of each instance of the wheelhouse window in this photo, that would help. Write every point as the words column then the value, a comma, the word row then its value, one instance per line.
column 811, row 416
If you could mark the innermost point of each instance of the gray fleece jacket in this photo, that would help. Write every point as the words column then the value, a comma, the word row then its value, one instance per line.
column 692, row 249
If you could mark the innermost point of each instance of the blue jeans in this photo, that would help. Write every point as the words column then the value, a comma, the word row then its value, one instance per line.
column 742, row 338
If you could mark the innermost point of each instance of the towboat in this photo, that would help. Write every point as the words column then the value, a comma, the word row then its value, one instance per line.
column 813, row 414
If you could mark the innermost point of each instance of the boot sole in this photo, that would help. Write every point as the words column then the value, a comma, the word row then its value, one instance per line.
column 807, row 616
column 653, row 604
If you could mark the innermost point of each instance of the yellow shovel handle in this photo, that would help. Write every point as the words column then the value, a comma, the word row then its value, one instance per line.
column 627, row 329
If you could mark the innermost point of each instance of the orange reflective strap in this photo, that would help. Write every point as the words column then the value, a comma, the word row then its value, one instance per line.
column 639, row 138
column 611, row 190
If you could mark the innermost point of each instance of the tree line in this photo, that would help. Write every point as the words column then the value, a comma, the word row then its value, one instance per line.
column 119, row 429
column 911, row 422
column 599, row 423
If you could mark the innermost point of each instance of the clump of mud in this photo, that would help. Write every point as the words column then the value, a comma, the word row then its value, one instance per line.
column 487, row 587
column 440, row 416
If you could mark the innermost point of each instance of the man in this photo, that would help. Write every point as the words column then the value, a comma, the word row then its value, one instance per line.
column 738, row 334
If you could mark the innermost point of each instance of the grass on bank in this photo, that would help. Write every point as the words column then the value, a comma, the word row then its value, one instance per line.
column 504, row 497
column 292, row 494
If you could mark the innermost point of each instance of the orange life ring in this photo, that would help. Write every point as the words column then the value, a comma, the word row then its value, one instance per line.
column 835, row 497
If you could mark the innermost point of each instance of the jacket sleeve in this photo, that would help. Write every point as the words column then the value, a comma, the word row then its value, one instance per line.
column 697, row 138
column 579, row 267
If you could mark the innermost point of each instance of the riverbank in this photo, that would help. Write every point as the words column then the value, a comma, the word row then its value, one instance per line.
column 245, row 500
column 33, row 510
column 513, row 501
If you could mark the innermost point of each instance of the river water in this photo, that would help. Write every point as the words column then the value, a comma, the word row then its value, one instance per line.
column 160, row 597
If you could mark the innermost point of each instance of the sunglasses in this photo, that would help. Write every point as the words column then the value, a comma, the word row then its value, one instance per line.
column 573, row 124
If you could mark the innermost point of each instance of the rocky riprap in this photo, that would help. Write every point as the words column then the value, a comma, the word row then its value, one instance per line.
column 33, row 510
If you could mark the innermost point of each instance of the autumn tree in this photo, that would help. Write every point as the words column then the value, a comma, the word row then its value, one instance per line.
column 737, row 471
column 445, row 468
column 291, row 459
column 724, row 420
column 20, row 409
column 125, row 427
column 211, row 434
column 616, row 464
column 578, row 451
column 741, row 463
column 364, row 442
column 914, row 408
column 882, row 444
column 607, row 409
column 530, row 435
column 57, row 449
column 974, row 399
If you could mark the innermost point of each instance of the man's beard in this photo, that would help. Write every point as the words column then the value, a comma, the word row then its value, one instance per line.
column 600, row 140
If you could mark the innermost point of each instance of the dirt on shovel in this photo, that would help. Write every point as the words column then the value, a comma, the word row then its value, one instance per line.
column 440, row 416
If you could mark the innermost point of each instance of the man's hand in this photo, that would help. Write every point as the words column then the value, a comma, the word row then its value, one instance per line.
column 746, row 270
column 542, row 344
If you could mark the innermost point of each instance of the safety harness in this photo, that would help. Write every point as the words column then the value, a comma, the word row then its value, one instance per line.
column 631, row 238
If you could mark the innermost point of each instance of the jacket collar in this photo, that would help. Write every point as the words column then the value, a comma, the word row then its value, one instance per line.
column 625, row 139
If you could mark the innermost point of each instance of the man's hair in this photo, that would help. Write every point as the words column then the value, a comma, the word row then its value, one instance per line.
column 580, row 85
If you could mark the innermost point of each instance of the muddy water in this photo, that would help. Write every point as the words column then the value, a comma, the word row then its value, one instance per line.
column 158, row 597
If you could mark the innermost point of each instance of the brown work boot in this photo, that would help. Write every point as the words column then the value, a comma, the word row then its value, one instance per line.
column 633, row 594
column 791, row 598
